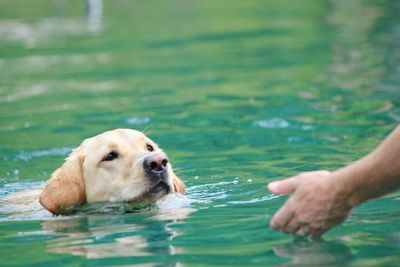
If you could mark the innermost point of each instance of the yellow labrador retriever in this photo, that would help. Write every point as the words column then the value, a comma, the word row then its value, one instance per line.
column 119, row 165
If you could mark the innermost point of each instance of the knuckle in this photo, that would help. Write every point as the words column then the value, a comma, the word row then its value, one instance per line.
column 276, row 223
column 302, row 219
column 302, row 174
column 324, row 172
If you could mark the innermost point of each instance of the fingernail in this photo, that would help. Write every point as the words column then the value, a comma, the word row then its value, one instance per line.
column 276, row 227
column 273, row 186
column 300, row 233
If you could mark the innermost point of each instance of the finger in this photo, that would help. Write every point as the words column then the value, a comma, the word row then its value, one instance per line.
column 317, row 232
column 281, row 218
column 303, row 231
column 283, row 186
column 313, row 173
column 292, row 226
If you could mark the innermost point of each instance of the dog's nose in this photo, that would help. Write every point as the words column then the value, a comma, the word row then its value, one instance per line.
column 155, row 164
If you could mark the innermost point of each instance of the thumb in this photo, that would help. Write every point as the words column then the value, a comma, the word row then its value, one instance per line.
column 285, row 186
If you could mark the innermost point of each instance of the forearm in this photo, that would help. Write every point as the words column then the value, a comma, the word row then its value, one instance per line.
column 376, row 174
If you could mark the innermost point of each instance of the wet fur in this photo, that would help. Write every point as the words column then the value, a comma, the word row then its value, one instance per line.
column 85, row 178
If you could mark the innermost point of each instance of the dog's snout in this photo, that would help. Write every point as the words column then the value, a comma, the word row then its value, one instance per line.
column 155, row 164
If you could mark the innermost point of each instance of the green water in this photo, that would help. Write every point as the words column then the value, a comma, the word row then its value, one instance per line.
column 238, row 93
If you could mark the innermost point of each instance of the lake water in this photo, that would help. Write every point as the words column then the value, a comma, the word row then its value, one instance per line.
column 238, row 93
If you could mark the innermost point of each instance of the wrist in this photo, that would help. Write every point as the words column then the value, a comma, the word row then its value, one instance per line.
column 347, row 186
column 360, row 181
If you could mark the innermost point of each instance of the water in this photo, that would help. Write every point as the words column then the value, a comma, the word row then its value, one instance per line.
column 238, row 93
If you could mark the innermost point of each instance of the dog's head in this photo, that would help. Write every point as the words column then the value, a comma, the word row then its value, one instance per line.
column 118, row 165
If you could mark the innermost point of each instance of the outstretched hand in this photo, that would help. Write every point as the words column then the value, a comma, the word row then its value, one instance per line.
column 317, row 204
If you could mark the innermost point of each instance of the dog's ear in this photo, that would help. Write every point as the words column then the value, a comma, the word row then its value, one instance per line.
column 179, row 186
column 66, row 187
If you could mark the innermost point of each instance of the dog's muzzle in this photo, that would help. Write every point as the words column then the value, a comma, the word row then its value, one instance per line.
column 156, row 166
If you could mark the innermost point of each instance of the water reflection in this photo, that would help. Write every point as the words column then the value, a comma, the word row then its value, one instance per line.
column 81, row 236
column 94, row 11
column 97, row 237
column 240, row 92
column 315, row 253
column 35, row 34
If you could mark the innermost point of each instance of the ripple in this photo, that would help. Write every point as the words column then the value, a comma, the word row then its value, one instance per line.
column 307, row 127
column 137, row 120
column 18, row 186
column 394, row 115
column 31, row 91
column 255, row 200
column 207, row 193
column 274, row 123
column 29, row 155
column 32, row 33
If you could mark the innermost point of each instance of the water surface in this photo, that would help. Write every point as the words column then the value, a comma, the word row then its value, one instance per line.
column 238, row 93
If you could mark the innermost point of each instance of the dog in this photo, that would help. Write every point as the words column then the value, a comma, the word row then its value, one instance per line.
column 121, row 165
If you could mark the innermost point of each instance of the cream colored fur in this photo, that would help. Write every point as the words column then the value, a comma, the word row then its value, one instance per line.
column 86, row 178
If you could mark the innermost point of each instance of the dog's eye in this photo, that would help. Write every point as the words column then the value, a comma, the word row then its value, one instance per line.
column 150, row 148
column 111, row 156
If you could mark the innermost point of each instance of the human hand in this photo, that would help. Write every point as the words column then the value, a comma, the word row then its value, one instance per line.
column 318, row 203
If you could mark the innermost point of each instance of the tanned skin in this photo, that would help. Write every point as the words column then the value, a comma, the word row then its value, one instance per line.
column 321, row 200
